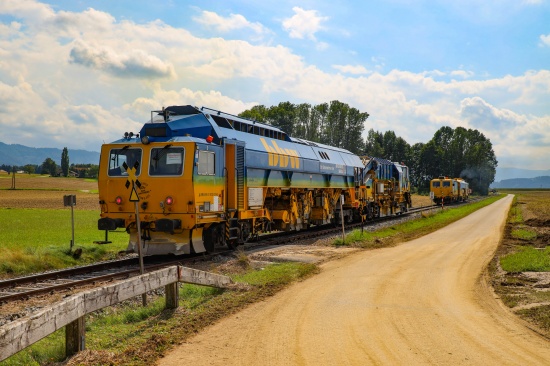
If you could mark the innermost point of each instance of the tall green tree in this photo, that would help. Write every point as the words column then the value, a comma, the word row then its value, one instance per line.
column 343, row 127
column 257, row 113
column 463, row 153
column 65, row 162
column 353, row 130
column 374, row 144
column 283, row 116
column 49, row 167
column 388, row 146
column 29, row 168
column 480, row 162
column 335, row 123
column 318, row 118
column 459, row 152
column 302, row 120
column 417, row 172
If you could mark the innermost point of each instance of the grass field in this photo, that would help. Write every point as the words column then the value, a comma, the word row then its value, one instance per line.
column 35, row 240
column 35, row 227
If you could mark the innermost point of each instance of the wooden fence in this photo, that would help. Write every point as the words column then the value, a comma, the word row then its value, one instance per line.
column 70, row 312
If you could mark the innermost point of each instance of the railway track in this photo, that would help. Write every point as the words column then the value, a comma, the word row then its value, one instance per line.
column 326, row 230
column 24, row 288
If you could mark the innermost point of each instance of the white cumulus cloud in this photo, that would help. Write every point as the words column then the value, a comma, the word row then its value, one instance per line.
column 545, row 39
column 303, row 24
column 351, row 69
column 230, row 23
column 132, row 63
column 480, row 114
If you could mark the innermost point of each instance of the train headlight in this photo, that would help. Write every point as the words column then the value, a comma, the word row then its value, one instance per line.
column 169, row 200
column 118, row 200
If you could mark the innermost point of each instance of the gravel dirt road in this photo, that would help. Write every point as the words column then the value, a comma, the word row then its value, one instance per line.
column 424, row 302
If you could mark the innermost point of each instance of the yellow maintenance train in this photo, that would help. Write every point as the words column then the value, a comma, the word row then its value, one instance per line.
column 197, row 179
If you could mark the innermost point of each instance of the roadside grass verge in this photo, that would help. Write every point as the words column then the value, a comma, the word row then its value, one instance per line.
column 524, row 234
column 527, row 259
column 130, row 334
column 539, row 315
column 413, row 229
column 35, row 240
column 515, row 216
column 524, row 257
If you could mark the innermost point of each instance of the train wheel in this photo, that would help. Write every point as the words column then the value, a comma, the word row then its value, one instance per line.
column 232, row 244
column 213, row 237
column 246, row 230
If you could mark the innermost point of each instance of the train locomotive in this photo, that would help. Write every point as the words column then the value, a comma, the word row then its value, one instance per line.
column 448, row 190
column 199, row 179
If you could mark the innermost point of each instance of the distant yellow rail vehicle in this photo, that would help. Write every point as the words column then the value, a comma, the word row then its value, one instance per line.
column 445, row 190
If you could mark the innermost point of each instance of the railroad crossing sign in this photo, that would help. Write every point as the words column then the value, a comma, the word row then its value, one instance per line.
column 134, row 181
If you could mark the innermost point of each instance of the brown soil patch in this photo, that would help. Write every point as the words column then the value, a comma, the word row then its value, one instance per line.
column 421, row 201
column 24, row 181
column 47, row 192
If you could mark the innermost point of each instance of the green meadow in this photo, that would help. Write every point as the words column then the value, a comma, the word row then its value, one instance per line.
column 34, row 240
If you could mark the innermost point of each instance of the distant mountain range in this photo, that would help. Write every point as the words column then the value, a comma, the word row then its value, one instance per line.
column 537, row 182
column 14, row 154
column 511, row 173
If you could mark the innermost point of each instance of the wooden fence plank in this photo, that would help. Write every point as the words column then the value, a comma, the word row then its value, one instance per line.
column 190, row 275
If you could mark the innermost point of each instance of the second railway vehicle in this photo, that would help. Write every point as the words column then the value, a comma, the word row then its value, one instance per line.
column 447, row 190
column 203, row 179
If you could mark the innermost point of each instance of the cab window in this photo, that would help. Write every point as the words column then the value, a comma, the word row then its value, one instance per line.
column 446, row 184
column 166, row 161
column 206, row 163
column 435, row 184
column 117, row 158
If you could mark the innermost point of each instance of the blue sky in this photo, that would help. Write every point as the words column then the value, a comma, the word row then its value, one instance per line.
column 77, row 73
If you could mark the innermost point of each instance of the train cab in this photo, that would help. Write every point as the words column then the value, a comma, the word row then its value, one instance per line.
column 177, row 188
column 441, row 189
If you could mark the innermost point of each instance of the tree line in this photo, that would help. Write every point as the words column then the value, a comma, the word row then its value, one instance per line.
column 335, row 123
column 457, row 153
column 49, row 166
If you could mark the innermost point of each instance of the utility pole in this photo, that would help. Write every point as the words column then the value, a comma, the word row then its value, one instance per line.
column 13, row 178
